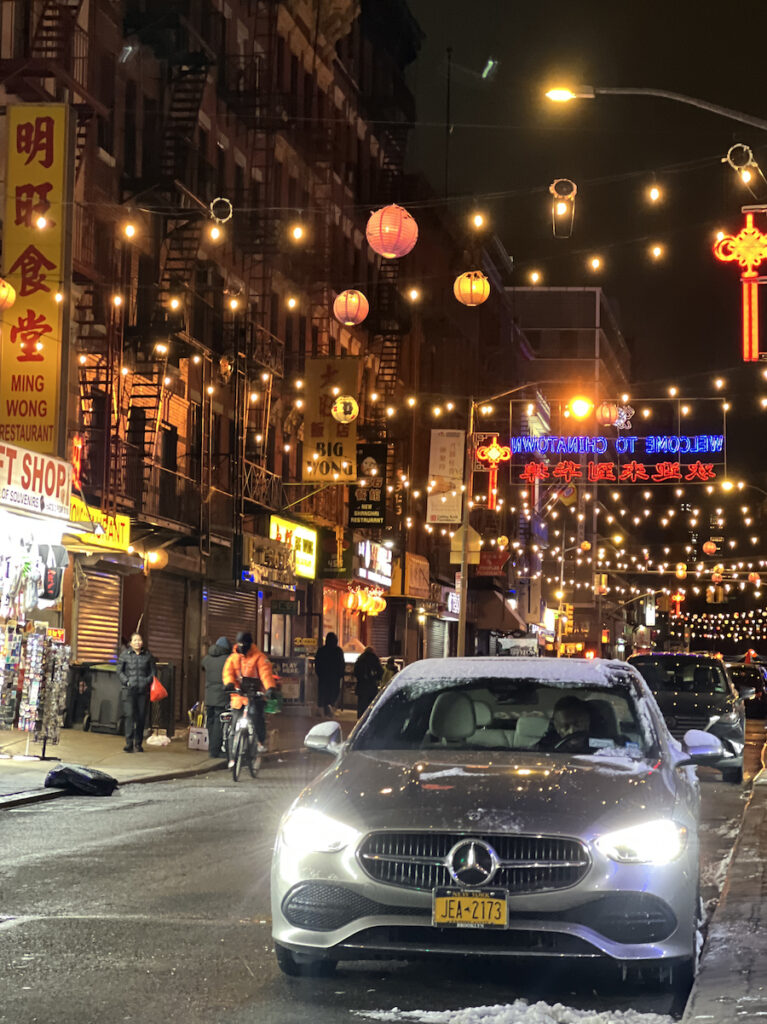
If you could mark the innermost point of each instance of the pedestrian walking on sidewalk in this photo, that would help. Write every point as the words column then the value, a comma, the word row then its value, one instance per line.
column 330, row 666
column 136, row 669
column 216, row 699
column 368, row 672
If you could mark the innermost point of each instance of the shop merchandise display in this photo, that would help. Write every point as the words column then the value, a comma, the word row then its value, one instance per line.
column 34, row 671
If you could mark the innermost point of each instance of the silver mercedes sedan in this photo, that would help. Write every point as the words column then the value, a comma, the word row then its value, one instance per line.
column 505, row 807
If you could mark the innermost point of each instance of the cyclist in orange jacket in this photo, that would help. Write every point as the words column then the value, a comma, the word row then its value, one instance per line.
column 247, row 672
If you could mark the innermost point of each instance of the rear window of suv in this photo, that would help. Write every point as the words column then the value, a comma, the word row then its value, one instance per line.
column 680, row 673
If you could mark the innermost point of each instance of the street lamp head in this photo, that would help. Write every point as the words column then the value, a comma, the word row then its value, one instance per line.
column 581, row 407
column 562, row 95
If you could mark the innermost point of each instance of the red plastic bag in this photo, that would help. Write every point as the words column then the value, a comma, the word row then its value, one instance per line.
column 157, row 691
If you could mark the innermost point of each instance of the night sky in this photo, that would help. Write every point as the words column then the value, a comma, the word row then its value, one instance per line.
column 679, row 315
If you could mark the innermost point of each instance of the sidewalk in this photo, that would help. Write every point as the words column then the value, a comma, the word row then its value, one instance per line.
column 22, row 780
column 732, row 981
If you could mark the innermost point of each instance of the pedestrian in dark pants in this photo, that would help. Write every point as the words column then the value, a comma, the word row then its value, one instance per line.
column 368, row 672
column 330, row 666
column 216, row 700
column 136, row 669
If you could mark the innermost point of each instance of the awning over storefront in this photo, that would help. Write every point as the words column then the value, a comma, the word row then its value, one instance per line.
column 494, row 611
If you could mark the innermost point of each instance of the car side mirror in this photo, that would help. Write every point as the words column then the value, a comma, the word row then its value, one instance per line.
column 700, row 748
column 745, row 692
column 325, row 738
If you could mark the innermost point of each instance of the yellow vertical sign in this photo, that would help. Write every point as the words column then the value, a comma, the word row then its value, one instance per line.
column 330, row 447
column 34, row 234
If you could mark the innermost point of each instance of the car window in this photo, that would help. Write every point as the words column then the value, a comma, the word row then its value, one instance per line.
column 507, row 715
column 746, row 674
column 682, row 674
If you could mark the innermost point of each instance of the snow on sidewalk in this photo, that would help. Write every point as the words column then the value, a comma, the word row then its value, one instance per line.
column 518, row 1012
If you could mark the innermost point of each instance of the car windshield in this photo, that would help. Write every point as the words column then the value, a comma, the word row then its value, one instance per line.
column 743, row 675
column 507, row 714
column 682, row 674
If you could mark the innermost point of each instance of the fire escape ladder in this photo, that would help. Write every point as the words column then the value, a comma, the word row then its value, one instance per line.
column 187, row 85
column 145, row 401
column 322, row 204
column 180, row 248
column 84, row 120
column 98, row 346
column 54, row 32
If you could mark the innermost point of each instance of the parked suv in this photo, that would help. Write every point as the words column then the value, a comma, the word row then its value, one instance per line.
column 695, row 692
column 751, row 677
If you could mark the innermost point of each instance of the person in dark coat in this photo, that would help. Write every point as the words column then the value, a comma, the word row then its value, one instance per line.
column 136, row 669
column 216, row 700
column 368, row 672
column 330, row 666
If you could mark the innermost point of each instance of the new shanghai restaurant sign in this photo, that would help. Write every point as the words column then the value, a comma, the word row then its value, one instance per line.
column 655, row 458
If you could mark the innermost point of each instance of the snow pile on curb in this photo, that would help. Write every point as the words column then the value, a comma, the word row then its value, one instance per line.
column 518, row 1012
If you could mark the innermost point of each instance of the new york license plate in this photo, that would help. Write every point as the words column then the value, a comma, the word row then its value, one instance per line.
column 469, row 908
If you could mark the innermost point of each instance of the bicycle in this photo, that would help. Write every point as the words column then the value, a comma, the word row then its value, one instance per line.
column 241, row 741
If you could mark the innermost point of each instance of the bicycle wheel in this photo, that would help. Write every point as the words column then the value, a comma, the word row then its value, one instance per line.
column 238, row 754
column 254, row 761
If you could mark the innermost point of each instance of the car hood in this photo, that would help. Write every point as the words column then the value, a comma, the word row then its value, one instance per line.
column 692, row 705
column 469, row 791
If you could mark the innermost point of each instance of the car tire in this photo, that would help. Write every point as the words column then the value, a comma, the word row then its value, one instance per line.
column 302, row 965
column 733, row 775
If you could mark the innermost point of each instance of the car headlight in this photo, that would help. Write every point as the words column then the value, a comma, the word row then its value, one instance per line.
column 728, row 718
column 306, row 830
column 654, row 842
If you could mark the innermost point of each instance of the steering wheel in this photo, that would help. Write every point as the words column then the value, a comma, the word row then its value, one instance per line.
column 574, row 743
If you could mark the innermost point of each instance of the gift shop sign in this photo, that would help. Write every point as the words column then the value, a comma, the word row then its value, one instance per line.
column 37, row 213
column 31, row 482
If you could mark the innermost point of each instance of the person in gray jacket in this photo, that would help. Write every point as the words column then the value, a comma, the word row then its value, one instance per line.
column 136, row 669
column 216, row 700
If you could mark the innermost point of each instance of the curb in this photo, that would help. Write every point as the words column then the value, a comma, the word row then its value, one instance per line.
column 34, row 796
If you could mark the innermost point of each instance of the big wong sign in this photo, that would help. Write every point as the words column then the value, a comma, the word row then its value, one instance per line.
column 37, row 213
column 330, row 444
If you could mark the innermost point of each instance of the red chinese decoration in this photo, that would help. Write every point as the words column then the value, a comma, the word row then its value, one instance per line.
column 391, row 232
column 632, row 472
column 77, row 462
column 7, row 294
column 351, row 307
column 709, row 548
column 754, row 577
column 471, row 288
column 534, row 471
column 607, row 413
column 493, row 454
column 749, row 249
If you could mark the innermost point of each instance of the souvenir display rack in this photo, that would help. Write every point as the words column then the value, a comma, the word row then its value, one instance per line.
column 34, row 672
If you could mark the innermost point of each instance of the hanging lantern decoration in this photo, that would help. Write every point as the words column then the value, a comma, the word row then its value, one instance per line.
column 471, row 288
column 351, row 307
column 709, row 548
column 351, row 601
column 345, row 409
column 7, row 294
column 607, row 414
column 680, row 571
column 718, row 569
column 716, row 577
column 391, row 232
column 363, row 600
column 754, row 577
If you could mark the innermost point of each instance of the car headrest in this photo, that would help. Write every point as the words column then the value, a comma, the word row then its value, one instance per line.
column 702, row 677
column 482, row 713
column 604, row 721
column 452, row 717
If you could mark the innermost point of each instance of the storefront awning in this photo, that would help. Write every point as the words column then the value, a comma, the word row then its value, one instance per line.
column 494, row 611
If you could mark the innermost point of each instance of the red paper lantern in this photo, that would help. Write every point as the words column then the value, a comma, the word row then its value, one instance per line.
column 607, row 413
column 391, row 232
column 754, row 577
column 681, row 571
column 716, row 577
column 471, row 288
column 351, row 307
column 7, row 294
column 709, row 548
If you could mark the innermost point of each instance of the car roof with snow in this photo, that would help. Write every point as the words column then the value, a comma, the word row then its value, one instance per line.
column 552, row 671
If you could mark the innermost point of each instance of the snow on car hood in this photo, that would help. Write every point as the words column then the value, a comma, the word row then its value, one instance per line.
column 483, row 791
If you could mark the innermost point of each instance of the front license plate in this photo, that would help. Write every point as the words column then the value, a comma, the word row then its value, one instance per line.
column 462, row 908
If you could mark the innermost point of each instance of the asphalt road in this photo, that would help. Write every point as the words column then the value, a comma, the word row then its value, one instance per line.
column 153, row 906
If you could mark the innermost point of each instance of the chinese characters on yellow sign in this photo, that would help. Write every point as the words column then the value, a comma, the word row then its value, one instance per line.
column 303, row 541
column 34, row 231
column 330, row 447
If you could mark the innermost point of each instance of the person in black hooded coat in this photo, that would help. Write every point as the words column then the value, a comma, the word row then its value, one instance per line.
column 330, row 666
column 216, row 700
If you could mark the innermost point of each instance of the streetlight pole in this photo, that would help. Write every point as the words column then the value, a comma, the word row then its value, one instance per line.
column 589, row 92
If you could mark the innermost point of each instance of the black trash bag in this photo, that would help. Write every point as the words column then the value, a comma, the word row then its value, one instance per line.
column 78, row 779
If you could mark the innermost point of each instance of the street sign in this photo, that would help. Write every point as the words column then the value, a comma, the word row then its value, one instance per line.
column 284, row 607
column 456, row 547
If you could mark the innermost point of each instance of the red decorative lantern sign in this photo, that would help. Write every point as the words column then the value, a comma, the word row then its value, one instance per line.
column 709, row 548
column 391, row 232
column 493, row 454
column 716, row 577
column 677, row 598
column 7, row 294
column 471, row 288
column 351, row 307
column 607, row 413
column 681, row 571
column 754, row 577
column 749, row 249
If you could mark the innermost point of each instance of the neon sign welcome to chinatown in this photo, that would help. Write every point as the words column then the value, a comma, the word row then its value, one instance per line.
column 654, row 444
